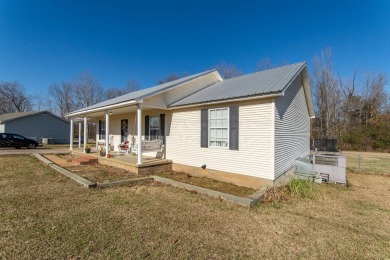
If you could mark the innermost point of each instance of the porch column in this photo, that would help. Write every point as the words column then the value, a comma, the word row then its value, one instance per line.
column 139, row 134
column 79, row 134
column 85, row 132
column 107, row 133
column 71, row 135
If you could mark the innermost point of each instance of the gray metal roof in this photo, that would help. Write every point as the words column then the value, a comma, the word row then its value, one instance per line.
column 144, row 93
column 271, row 81
column 12, row 116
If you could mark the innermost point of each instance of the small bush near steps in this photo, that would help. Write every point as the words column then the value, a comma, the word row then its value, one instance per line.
column 295, row 188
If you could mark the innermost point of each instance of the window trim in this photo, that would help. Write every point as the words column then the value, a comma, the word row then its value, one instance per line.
column 209, row 128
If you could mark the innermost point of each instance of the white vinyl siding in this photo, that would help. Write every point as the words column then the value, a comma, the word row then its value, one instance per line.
column 219, row 127
column 292, row 127
column 254, row 157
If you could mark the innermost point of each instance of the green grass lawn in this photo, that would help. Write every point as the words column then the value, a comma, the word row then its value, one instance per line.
column 46, row 215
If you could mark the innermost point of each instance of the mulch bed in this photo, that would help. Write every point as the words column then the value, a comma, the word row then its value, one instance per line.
column 208, row 183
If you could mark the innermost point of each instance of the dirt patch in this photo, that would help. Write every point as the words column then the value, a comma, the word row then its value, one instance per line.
column 67, row 157
column 97, row 172
column 208, row 183
column 59, row 160
column 101, row 173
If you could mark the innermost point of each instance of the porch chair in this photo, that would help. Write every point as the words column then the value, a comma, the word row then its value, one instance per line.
column 124, row 147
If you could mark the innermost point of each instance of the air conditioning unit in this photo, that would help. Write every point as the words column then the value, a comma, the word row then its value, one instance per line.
column 331, row 167
column 322, row 168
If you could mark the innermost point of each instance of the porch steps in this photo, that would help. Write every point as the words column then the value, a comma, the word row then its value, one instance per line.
column 85, row 160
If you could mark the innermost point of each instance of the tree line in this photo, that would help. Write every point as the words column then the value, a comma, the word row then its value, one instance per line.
column 355, row 110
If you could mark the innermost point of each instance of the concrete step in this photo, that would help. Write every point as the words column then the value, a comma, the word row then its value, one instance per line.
column 86, row 160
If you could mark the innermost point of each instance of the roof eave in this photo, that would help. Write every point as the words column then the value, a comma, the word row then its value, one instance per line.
column 103, row 108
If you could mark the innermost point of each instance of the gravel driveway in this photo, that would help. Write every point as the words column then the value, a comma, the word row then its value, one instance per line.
column 10, row 151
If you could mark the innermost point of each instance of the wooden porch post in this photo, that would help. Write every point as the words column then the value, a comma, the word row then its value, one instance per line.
column 107, row 133
column 71, row 135
column 79, row 134
column 85, row 133
column 139, row 133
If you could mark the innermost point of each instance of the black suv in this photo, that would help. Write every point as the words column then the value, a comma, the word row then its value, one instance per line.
column 17, row 141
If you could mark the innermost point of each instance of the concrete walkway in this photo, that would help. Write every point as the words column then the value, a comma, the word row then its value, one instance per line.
column 12, row 151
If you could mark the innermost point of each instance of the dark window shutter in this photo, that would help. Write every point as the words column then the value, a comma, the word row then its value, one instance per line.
column 100, row 129
column 233, row 128
column 146, row 126
column 204, row 128
column 162, row 126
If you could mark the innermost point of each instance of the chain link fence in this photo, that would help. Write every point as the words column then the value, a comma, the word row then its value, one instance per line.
column 365, row 162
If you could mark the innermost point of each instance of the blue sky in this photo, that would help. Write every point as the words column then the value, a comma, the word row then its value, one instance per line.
column 42, row 42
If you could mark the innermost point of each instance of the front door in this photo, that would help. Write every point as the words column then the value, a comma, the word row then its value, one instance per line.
column 124, row 130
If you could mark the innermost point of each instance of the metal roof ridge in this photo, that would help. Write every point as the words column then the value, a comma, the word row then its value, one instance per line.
column 279, row 67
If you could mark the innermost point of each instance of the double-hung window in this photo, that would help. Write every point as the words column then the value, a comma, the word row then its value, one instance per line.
column 154, row 127
column 219, row 127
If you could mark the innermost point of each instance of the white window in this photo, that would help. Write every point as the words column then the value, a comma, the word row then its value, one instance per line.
column 219, row 127
column 154, row 127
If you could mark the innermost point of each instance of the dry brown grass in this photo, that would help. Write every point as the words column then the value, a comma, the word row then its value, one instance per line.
column 46, row 215
column 208, row 183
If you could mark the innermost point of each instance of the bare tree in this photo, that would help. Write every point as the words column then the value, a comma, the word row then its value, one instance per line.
column 13, row 98
column 327, row 95
column 131, row 86
column 375, row 97
column 87, row 90
column 264, row 64
column 169, row 78
column 350, row 101
column 227, row 71
column 63, row 97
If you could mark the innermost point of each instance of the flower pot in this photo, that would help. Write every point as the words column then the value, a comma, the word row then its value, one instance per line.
column 87, row 150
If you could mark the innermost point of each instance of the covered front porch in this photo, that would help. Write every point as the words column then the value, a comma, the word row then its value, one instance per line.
column 133, row 133
column 129, row 162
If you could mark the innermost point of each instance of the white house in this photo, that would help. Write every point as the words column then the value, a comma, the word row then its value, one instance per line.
column 247, row 130
column 36, row 125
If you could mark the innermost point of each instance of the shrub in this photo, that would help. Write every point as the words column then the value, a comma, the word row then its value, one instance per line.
column 301, row 187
